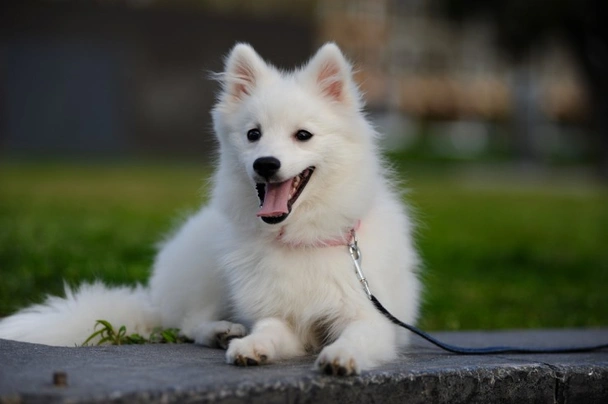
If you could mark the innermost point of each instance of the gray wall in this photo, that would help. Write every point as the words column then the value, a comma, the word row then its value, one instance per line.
column 115, row 81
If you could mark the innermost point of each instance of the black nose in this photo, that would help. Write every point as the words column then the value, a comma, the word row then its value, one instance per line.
column 266, row 166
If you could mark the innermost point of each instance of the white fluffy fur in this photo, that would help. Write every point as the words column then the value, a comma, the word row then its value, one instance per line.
column 71, row 320
column 225, row 267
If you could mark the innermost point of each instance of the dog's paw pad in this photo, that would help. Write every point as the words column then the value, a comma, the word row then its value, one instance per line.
column 337, row 362
column 255, row 360
column 248, row 352
column 335, row 368
column 241, row 360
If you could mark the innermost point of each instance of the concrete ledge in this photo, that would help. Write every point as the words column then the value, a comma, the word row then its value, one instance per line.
column 424, row 374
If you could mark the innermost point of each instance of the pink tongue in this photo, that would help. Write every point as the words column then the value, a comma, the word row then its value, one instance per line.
column 275, row 200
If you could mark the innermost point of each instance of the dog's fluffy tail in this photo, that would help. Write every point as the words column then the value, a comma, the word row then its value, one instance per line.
column 71, row 320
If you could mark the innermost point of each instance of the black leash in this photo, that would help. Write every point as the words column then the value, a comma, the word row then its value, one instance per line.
column 355, row 253
column 485, row 350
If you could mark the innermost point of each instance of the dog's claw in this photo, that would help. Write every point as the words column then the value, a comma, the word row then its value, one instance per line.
column 241, row 360
column 336, row 369
column 245, row 361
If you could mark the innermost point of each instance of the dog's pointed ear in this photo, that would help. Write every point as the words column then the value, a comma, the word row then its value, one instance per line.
column 332, row 74
column 242, row 72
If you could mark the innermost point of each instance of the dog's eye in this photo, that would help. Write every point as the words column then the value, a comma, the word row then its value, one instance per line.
column 303, row 135
column 254, row 135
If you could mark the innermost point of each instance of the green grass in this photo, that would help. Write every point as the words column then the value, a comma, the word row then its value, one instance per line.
column 498, row 253
column 106, row 333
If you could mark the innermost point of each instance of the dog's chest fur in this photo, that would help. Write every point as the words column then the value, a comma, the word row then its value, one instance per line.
column 313, row 290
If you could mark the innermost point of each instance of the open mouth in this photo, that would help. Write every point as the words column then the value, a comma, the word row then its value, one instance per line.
column 277, row 198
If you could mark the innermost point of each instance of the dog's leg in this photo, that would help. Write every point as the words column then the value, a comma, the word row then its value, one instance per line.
column 363, row 344
column 217, row 334
column 271, row 339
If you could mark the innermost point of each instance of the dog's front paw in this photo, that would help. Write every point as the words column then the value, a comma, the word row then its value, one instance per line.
column 224, row 336
column 249, row 351
column 218, row 334
column 338, row 361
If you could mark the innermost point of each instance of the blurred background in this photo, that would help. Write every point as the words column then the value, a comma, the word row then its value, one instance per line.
column 496, row 113
column 452, row 79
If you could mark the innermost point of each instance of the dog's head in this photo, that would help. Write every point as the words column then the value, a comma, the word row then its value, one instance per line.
column 298, row 138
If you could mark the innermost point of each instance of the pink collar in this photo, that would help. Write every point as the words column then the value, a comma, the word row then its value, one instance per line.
column 344, row 240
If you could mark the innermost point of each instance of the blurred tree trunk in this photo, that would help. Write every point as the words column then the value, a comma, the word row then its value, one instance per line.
column 525, row 114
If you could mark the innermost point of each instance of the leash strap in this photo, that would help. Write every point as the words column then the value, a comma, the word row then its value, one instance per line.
column 355, row 253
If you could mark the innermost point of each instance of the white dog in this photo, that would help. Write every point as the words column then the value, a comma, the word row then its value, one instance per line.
column 299, row 174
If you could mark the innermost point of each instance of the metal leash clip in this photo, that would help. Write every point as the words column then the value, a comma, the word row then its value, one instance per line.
column 355, row 254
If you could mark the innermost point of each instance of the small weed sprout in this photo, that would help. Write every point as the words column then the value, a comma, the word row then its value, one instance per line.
column 108, row 334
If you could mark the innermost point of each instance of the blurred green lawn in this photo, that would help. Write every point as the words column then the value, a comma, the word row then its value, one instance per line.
column 498, row 254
